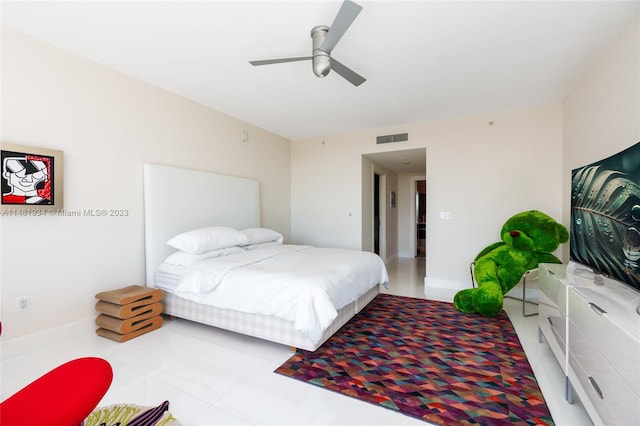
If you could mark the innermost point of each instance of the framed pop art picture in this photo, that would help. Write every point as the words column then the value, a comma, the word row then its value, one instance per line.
column 31, row 178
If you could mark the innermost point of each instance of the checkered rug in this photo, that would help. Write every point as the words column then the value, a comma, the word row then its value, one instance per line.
column 425, row 359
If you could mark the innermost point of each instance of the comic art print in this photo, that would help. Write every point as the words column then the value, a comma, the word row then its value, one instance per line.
column 31, row 177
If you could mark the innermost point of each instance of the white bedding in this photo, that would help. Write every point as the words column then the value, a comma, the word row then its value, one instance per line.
column 302, row 284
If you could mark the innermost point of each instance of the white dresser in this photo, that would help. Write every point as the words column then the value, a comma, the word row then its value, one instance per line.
column 592, row 326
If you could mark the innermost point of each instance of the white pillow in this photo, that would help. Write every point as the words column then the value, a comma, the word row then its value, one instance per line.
column 182, row 258
column 262, row 235
column 199, row 241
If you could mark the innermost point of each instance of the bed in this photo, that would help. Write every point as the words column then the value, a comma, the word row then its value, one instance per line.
column 179, row 202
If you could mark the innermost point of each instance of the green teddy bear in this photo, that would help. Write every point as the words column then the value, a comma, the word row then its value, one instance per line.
column 528, row 238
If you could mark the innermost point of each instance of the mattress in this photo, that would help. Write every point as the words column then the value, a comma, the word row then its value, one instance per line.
column 303, row 285
column 261, row 326
column 168, row 277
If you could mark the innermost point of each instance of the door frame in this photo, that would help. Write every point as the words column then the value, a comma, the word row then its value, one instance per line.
column 382, row 212
column 413, row 219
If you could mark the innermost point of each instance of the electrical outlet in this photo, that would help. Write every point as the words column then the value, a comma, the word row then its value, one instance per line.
column 23, row 303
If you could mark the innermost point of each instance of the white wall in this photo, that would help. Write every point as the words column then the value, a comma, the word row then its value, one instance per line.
column 391, row 214
column 367, row 204
column 108, row 126
column 481, row 173
column 601, row 115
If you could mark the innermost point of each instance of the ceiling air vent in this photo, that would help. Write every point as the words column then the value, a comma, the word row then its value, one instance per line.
column 400, row 137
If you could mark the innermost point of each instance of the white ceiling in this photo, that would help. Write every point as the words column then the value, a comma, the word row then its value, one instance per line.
column 422, row 59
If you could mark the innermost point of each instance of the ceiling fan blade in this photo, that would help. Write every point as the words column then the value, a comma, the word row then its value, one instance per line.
column 345, row 17
column 279, row 61
column 347, row 73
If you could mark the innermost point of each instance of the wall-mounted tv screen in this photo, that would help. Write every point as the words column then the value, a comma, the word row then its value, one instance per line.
column 605, row 216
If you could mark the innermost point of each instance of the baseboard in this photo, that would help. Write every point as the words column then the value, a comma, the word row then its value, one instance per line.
column 391, row 258
column 451, row 284
column 443, row 290
column 34, row 341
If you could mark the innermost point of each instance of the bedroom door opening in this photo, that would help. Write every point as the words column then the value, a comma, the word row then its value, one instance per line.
column 421, row 215
column 379, row 200
column 376, row 213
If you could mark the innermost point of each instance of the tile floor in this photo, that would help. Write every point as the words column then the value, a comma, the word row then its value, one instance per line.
column 213, row 377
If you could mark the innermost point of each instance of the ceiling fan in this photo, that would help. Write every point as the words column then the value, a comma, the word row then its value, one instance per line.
column 324, row 39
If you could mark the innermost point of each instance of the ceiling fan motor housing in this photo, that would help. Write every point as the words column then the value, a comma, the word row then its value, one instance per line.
column 324, row 39
column 321, row 61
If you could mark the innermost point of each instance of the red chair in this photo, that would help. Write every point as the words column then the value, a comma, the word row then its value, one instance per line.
column 65, row 396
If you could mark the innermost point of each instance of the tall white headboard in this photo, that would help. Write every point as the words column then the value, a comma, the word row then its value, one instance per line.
column 177, row 200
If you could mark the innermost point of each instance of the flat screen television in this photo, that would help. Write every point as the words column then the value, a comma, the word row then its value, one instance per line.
column 605, row 216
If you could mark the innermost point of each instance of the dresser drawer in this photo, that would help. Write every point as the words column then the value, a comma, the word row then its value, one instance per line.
column 552, row 321
column 614, row 400
column 621, row 350
column 553, row 289
column 552, row 324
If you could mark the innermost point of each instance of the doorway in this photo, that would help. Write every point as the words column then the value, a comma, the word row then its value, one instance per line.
column 388, row 201
column 421, row 217
column 376, row 213
column 379, row 214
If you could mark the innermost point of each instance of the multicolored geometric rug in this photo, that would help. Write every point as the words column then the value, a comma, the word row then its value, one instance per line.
column 425, row 359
